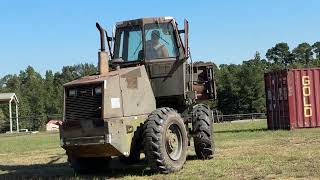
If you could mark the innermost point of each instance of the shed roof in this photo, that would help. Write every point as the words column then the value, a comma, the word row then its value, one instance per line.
column 7, row 97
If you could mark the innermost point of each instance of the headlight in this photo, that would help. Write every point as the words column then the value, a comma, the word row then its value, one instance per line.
column 98, row 90
column 72, row 92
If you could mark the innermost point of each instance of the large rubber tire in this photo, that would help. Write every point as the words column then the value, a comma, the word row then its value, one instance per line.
column 202, row 126
column 82, row 165
column 157, row 145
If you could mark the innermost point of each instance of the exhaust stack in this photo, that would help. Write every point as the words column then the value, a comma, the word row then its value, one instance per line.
column 103, row 63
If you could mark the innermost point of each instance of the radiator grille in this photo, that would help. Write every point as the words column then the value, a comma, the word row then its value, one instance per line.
column 83, row 104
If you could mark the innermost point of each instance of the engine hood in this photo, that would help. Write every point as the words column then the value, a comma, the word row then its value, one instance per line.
column 100, row 78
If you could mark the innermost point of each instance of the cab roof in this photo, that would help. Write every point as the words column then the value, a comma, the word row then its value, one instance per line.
column 142, row 21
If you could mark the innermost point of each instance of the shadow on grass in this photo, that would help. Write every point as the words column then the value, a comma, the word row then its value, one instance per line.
column 242, row 130
column 114, row 169
column 35, row 171
column 53, row 170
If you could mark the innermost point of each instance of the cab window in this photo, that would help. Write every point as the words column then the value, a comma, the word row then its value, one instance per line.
column 160, row 41
column 128, row 43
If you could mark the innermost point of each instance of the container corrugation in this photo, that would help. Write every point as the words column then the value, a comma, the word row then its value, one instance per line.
column 293, row 98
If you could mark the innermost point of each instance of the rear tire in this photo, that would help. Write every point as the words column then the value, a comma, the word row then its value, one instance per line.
column 165, row 140
column 202, row 126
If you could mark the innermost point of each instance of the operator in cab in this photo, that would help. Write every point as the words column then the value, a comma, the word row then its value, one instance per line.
column 154, row 47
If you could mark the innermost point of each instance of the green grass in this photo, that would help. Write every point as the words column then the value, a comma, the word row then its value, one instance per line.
column 243, row 151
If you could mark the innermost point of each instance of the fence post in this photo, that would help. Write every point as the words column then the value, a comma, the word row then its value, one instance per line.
column 17, row 117
column 10, row 115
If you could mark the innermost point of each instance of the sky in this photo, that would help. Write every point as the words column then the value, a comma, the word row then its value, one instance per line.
column 52, row 34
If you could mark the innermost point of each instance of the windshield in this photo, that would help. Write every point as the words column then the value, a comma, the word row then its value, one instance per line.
column 128, row 43
column 160, row 41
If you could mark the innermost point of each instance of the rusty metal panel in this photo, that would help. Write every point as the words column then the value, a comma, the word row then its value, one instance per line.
column 293, row 98
column 112, row 102
column 136, row 93
column 121, row 131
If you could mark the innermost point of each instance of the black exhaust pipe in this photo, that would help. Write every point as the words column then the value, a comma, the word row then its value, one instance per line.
column 102, row 38
column 103, row 63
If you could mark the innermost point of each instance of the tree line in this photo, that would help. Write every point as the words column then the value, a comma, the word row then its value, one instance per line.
column 240, row 87
column 39, row 96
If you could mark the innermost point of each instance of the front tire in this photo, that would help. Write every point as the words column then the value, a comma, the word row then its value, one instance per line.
column 165, row 140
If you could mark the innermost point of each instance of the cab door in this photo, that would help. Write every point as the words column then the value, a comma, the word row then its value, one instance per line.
column 165, row 70
column 166, row 77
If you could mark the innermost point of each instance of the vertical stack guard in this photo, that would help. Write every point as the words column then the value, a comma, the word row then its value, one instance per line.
column 293, row 98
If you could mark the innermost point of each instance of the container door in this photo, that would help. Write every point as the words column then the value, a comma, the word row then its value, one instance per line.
column 277, row 100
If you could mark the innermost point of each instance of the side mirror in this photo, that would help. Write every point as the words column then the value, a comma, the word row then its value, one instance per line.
column 186, row 38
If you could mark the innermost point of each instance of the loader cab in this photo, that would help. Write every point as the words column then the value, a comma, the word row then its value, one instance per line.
column 143, row 40
column 157, row 44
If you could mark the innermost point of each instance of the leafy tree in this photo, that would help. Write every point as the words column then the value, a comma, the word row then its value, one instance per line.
column 316, row 49
column 303, row 53
column 279, row 54
column 228, row 89
column 33, row 91
column 241, row 87
column 3, row 120
column 252, row 95
column 51, row 95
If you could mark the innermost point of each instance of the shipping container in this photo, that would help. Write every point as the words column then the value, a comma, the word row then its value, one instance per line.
column 293, row 98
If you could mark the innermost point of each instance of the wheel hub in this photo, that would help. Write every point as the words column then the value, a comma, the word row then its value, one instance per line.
column 174, row 142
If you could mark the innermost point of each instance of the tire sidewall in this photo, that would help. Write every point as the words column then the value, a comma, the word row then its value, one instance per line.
column 177, row 120
column 202, row 127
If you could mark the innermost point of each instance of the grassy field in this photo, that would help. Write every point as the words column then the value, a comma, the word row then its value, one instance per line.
column 243, row 151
